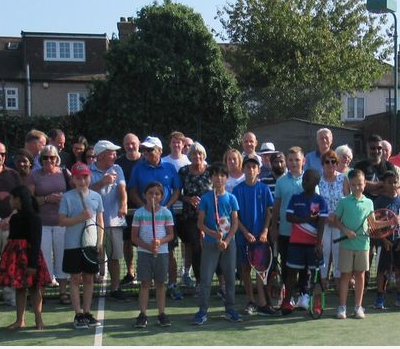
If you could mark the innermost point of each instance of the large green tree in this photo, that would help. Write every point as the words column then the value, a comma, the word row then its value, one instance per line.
column 295, row 57
column 168, row 75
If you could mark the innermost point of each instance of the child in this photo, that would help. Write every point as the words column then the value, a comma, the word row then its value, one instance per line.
column 153, row 257
column 350, row 217
column 307, row 212
column 73, row 213
column 255, row 200
column 218, row 245
column 22, row 264
column 286, row 186
column 388, row 251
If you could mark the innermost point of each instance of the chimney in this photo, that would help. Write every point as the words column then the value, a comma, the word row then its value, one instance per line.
column 126, row 27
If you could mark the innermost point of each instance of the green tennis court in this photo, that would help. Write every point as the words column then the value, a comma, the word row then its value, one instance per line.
column 295, row 329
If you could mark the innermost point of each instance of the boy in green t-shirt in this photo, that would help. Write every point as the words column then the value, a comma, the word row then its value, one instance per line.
column 351, row 214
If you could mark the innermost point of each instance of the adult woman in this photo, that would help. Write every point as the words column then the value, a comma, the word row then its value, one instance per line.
column 332, row 186
column 345, row 156
column 89, row 157
column 196, row 181
column 48, row 185
column 233, row 160
column 79, row 146
column 23, row 162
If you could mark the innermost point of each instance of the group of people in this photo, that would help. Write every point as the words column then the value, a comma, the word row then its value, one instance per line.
column 299, row 202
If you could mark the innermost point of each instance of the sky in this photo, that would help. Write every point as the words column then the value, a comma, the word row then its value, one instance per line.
column 85, row 16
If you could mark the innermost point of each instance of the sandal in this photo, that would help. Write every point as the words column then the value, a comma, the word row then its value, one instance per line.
column 15, row 326
column 64, row 299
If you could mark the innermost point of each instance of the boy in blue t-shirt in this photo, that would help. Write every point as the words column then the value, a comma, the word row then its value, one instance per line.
column 307, row 212
column 389, row 250
column 218, row 244
column 255, row 201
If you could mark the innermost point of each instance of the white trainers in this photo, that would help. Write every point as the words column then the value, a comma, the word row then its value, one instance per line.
column 303, row 301
column 359, row 312
column 341, row 312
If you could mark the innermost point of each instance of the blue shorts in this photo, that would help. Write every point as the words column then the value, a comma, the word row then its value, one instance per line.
column 302, row 257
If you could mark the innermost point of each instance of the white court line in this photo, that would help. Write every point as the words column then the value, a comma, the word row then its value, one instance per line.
column 98, row 337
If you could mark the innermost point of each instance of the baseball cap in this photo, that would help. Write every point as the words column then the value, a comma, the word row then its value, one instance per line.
column 151, row 142
column 267, row 148
column 79, row 169
column 251, row 158
column 101, row 146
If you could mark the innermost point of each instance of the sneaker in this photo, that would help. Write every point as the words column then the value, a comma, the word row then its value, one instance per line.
column 232, row 316
column 91, row 320
column 250, row 308
column 141, row 321
column 341, row 312
column 303, row 301
column 80, row 322
column 175, row 293
column 287, row 307
column 163, row 320
column 359, row 312
column 267, row 310
column 221, row 293
column 187, row 281
column 54, row 283
column 379, row 303
column 118, row 295
column 199, row 318
column 128, row 279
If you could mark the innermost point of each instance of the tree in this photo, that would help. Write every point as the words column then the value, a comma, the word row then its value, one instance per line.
column 167, row 75
column 295, row 57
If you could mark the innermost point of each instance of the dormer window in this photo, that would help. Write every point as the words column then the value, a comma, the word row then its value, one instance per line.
column 70, row 51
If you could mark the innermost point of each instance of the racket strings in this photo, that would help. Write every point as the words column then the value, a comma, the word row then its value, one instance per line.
column 382, row 224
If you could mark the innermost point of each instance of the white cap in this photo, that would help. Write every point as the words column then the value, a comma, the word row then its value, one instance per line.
column 151, row 142
column 101, row 146
column 267, row 148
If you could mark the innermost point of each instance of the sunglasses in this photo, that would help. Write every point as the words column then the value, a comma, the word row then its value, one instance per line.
column 331, row 162
column 49, row 157
column 90, row 156
column 379, row 148
column 149, row 150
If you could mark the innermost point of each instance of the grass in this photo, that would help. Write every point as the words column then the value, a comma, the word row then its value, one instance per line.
column 295, row 329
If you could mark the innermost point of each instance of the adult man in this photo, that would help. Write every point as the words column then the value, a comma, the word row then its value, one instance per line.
column 108, row 180
column 8, row 180
column 178, row 159
column 387, row 153
column 249, row 144
column 278, row 169
column 324, row 142
column 127, row 162
column 187, row 144
column 57, row 138
column 150, row 170
column 35, row 141
column 374, row 167
column 266, row 150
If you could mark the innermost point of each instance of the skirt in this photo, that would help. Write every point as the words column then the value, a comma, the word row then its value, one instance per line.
column 14, row 263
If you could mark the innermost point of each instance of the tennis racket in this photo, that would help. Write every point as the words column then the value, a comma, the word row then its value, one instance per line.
column 317, row 301
column 217, row 214
column 153, row 222
column 259, row 255
column 381, row 223
column 275, row 287
column 95, row 244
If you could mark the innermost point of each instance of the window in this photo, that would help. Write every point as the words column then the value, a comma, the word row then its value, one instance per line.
column 75, row 101
column 73, row 51
column 355, row 108
column 9, row 98
column 389, row 104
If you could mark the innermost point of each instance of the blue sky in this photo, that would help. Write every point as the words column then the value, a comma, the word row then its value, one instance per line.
column 85, row 16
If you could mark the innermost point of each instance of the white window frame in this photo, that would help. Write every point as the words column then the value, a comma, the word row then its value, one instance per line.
column 75, row 54
column 11, row 94
column 79, row 95
column 356, row 115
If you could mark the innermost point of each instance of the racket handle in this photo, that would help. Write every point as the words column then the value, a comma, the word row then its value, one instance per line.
column 340, row 239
